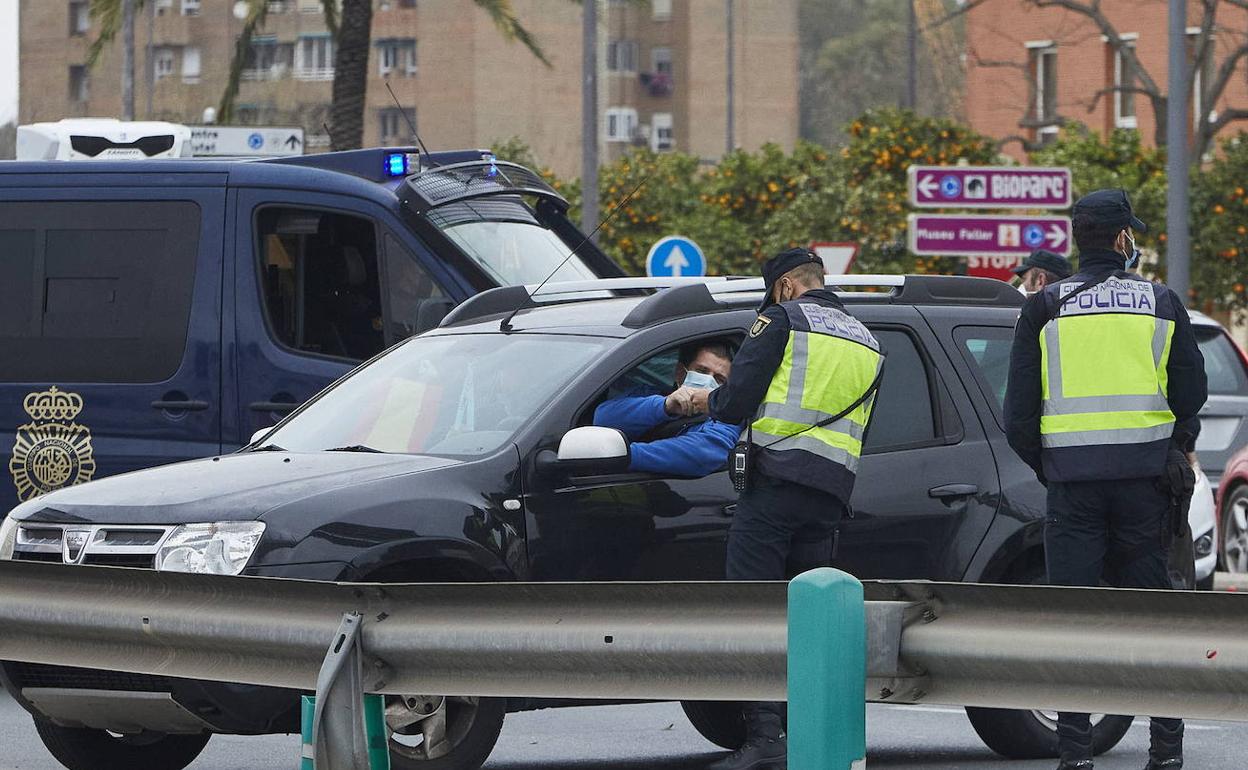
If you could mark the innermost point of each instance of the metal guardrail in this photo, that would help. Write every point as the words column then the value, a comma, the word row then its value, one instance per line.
column 1100, row 650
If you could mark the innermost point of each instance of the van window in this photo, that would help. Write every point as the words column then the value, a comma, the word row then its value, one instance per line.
column 417, row 303
column 96, row 292
column 320, row 278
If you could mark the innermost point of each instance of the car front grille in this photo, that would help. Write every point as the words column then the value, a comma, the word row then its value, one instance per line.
column 110, row 545
column 38, row 675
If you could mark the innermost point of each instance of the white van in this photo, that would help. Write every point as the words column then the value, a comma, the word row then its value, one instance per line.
column 102, row 139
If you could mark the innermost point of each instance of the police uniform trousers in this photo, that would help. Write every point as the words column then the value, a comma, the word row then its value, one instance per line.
column 780, row 530
column 1118, row 532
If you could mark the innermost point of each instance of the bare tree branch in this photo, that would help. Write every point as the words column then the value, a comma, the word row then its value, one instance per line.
column 960, row 11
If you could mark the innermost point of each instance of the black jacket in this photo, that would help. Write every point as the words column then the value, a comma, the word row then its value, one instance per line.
column 737, row 401
column 1187, row 388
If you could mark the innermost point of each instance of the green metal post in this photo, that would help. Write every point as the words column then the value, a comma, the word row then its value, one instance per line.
column 374, row 728
column 827, row 672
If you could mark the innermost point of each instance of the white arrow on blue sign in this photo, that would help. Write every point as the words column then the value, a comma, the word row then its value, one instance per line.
column 675, row 256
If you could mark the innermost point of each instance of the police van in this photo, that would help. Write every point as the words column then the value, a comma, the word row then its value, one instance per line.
column 160, row 310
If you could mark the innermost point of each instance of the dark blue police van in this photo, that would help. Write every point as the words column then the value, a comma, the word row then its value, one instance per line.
column 160, row 310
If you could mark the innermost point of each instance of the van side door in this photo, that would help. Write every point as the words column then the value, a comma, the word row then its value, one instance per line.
column 321, row 283
column 110, row 319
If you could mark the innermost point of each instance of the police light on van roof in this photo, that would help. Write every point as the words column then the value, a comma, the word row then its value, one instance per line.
column 396, row 164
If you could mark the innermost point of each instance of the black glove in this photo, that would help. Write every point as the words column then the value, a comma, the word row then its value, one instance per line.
column 1179, row 479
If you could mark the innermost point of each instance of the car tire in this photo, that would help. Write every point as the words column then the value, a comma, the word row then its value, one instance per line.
column 1233, row 548
column 87, row 749
column 720, row 722
column 472, row 737
column 1033, row 735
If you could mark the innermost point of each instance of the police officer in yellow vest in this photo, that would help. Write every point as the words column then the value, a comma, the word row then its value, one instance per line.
column 803, row 382
column 1105, row 385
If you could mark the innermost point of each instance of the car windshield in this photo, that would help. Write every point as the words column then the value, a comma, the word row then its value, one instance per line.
column 459, row 395
column 1223, row 365
column 517, row 252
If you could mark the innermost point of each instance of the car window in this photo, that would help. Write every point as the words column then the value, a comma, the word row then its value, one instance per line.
column 903, row 415
column 459, row 395
column 321, row 285
column 1223, row 365
column 72, row 273
column 987, row 350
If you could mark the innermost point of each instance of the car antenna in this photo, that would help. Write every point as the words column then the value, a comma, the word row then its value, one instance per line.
column 410, row 123
column 505, row 326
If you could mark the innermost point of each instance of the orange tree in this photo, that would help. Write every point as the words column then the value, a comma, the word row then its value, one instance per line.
column 1219, row 213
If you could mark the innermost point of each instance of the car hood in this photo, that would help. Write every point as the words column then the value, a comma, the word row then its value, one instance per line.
column 237, row 487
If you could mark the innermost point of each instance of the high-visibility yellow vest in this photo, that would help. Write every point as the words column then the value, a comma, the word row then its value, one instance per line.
column 830, row 360
column 1103, row 367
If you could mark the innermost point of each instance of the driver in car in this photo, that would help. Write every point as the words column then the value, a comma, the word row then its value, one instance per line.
column 697, row 447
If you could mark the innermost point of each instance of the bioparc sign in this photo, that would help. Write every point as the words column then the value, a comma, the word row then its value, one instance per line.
column 989, row 187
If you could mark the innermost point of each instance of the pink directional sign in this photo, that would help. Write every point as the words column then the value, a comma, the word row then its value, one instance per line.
column 966, row 235
column 989, row 187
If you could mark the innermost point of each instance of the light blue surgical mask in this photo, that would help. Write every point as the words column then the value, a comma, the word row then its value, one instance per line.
column 699, row 380
column 1132, row 256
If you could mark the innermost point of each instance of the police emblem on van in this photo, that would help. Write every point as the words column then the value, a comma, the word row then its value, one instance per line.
column 52, row 451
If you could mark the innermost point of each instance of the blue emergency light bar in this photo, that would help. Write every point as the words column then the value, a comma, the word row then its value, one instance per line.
column 396, row 164
column 383, row 164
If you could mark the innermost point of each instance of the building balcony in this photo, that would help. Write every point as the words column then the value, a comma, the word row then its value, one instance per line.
column 658, row 84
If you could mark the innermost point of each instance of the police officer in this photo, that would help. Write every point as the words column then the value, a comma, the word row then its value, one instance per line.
column 1105, row 385
column 804, row 380
column 1041, row 268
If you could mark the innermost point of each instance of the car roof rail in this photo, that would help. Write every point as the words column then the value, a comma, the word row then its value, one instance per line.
column 687, row 295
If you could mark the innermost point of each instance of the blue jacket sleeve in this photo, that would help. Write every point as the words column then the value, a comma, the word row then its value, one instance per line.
column 699, row 451
column 635, row 415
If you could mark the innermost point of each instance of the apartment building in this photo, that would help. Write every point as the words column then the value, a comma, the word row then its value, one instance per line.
column 1029, row 69
column 663, row 74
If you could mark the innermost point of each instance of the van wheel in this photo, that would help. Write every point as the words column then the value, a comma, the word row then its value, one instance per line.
column 88, row 749
column 1033, row 734
column 432, row 732
column 720, row 722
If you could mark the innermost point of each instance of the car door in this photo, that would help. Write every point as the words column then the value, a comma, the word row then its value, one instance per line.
column 630, row 526
column 110, row 317
column 1224, row 417
column 927, row 487
column 322, row 283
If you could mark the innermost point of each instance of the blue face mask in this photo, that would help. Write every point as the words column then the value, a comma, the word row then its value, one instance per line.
column 699, row 380
column 1133, row 258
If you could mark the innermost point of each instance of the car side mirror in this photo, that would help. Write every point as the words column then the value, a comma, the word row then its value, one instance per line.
column 588, row 450
column 255, row 437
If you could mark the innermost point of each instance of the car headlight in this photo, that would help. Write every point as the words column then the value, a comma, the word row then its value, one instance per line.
column 213, row 549
column 8, row 536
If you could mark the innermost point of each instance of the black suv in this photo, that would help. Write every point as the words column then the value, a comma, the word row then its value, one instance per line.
column 467, row 454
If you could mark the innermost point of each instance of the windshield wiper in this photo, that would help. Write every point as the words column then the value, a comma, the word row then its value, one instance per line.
column 269, row 448
column 355, row 448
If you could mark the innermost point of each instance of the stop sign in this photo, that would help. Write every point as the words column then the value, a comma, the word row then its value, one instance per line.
column 998, row 267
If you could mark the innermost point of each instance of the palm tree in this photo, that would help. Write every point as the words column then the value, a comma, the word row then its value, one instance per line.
column 352, row 31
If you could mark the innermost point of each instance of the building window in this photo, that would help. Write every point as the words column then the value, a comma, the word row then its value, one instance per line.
column 394, row 125
column 163, row 7
column 162, row 62
column 190, row 7
column 397, row 57
column 1043, row 67
column 279, row 6
column 662, row 136
column 267, row 59
column 310, row 6
column 388, row 4
column 314, row 58
column 621, row 124
column 661, row 61
column 190, row 64
column 1124, row 78
column 661, row 10
column 79, row 83
column 79, row 18
column 622, row 56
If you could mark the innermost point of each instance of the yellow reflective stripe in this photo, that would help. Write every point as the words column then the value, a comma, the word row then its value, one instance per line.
column 837, row 372
column 783, row 428
column 1068, row 423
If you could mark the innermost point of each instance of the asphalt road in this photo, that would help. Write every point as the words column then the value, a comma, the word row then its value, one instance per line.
column 657, row 737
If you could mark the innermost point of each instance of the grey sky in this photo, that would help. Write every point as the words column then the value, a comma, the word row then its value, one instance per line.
column 8, row 60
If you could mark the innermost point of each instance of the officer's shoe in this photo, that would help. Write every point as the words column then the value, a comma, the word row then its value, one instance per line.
column 1075, row 764
column 756, row 754
column 1173, row 763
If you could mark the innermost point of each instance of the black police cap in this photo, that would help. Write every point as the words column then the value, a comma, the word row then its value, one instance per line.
column 1111, row 208
column 1046, row 260
column 775, row 268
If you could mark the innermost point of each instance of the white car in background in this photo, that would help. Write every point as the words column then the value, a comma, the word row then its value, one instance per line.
column 1202, row 518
